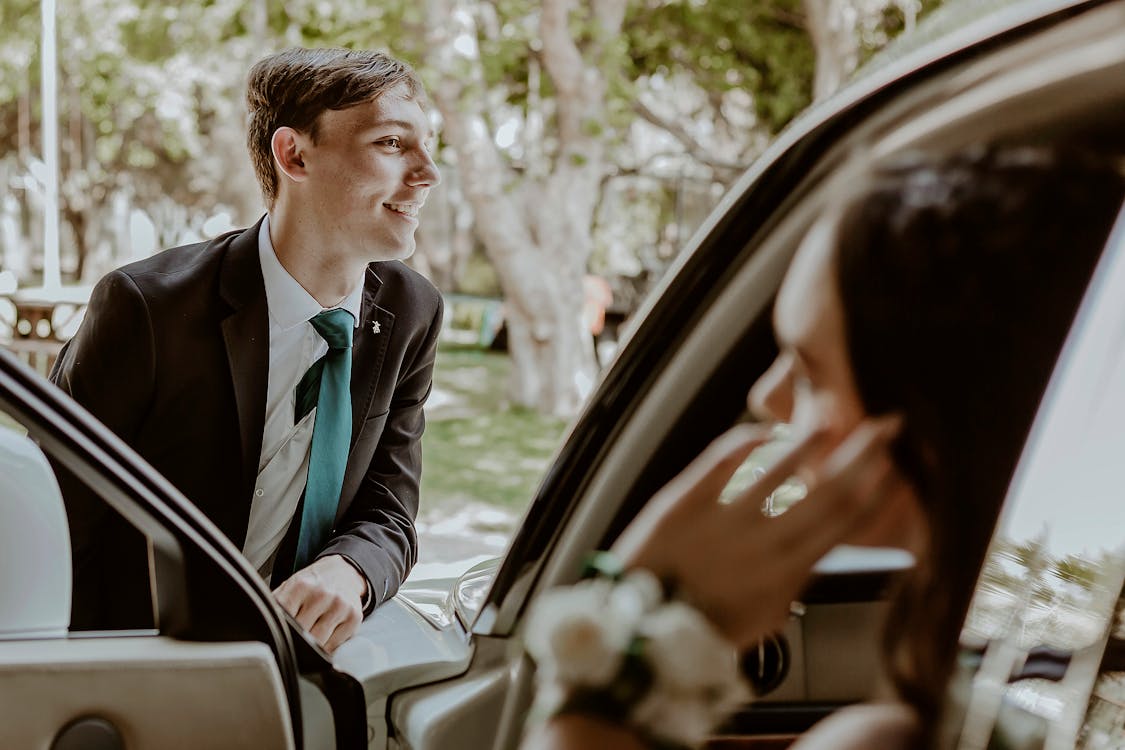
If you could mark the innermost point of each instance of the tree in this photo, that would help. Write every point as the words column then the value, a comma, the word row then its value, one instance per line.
column 541, row 102
column 845, row 32
column 574, row 77
column 148, row 112
column 539, row 247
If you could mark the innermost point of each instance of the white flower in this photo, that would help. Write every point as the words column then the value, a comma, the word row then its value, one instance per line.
column 579, row 636
column 697, row 682
column 635, row 595
column 687, row 654
column 575, row 636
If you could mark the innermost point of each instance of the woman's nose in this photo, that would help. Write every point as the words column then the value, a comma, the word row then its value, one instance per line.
column 770, row 399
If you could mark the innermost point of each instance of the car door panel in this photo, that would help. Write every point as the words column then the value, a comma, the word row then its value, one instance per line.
column 158, row 692
column 214, row 662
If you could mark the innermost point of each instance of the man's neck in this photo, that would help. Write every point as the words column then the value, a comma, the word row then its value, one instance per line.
column 312, row 259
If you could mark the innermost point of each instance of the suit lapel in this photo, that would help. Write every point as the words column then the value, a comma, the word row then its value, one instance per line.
column 246, row 334
column 370, row 347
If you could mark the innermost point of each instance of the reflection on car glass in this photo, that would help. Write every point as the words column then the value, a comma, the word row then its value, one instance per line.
column 1104, row 725
column 1038, row 599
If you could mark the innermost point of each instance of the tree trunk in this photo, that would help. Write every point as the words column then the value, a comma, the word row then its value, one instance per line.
column 539, row 253
column 543, row 305
column 831, row 26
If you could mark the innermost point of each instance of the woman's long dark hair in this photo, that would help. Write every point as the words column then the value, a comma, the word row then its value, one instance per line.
column 959, row 278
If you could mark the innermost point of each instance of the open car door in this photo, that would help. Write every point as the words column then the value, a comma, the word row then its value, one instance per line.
column 241, row 677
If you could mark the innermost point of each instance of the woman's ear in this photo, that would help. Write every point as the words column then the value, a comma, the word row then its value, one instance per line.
column 289, row 146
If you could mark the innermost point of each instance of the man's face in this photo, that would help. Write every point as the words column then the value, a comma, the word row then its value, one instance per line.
column 369, row 172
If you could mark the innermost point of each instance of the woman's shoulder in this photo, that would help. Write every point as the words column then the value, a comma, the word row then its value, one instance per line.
column 888, row 726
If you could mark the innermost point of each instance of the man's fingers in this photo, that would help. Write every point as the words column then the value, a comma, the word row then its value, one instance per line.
column 334, row 614
column 286, row 596
column 303, row 598
column 344, row 630
column 327, row 614
column 314, row 604
column 705, row 477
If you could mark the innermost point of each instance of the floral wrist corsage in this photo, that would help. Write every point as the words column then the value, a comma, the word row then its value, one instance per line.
column 612, row 646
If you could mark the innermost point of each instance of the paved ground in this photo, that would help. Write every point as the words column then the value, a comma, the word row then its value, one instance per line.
column 451, row 541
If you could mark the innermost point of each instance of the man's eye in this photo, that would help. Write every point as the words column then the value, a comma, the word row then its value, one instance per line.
column 390, row 142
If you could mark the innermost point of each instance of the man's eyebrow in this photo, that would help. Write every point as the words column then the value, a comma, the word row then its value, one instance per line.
column 401, row 125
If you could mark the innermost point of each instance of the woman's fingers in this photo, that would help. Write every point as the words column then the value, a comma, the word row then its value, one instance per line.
column 853, row 481
column 687, row 502
column 704, row 478
column 751, row 499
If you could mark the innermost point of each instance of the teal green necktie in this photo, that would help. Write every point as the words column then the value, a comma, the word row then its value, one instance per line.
column 326, row 386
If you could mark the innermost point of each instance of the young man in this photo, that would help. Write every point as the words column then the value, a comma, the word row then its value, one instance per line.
column 276, row 375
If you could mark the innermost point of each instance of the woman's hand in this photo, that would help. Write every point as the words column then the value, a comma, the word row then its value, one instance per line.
column 739, row 567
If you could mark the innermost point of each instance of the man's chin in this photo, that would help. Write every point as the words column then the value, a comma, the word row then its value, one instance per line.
column 385, row 253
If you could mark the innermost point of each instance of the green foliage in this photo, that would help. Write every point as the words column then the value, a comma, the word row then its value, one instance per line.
column 758, row 45
column 147, row 86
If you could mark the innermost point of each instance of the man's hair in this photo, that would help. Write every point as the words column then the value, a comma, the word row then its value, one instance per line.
column 292, row 89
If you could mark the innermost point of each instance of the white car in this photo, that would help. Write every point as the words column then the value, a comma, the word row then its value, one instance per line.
column 440, row 666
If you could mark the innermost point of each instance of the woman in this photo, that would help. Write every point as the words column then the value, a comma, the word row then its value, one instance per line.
column 917, row 327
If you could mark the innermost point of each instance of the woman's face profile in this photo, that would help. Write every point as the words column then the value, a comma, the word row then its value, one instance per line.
column 811, row 384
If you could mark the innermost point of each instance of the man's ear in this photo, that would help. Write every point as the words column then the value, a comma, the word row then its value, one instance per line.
column 289, row 147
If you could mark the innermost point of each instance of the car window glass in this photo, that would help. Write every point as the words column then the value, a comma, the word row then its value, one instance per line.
column 1104, row 724
column 1047, row 593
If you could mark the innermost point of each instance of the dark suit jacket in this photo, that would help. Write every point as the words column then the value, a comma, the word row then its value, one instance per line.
column 173, row 357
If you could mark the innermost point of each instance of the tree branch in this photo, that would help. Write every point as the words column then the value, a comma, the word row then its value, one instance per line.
column 694, row 148
column 561, row 56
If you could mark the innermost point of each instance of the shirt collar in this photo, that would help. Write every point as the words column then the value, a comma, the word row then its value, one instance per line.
column 289, row 304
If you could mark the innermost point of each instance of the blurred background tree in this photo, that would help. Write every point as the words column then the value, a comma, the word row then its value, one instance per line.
column 577, row 136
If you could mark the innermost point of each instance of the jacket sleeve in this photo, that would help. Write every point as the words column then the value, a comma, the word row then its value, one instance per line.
column 377, row 531
column 107, row 368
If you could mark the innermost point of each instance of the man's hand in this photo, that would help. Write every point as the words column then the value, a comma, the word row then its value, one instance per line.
column 326, row 598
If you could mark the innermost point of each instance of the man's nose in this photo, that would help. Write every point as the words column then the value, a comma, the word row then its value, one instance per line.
column 425, row 173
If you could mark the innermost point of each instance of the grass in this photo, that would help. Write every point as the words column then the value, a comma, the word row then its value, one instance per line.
column 478, row 448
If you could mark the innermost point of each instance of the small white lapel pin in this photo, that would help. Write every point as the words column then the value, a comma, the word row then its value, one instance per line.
column 375, row 326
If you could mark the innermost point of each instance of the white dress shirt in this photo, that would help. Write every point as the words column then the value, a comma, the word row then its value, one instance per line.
column 293, row 346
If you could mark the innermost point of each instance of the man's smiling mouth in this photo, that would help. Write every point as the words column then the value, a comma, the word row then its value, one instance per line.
column 406, row 209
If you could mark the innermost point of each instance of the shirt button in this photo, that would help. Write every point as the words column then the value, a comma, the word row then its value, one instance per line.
column 259, row 492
